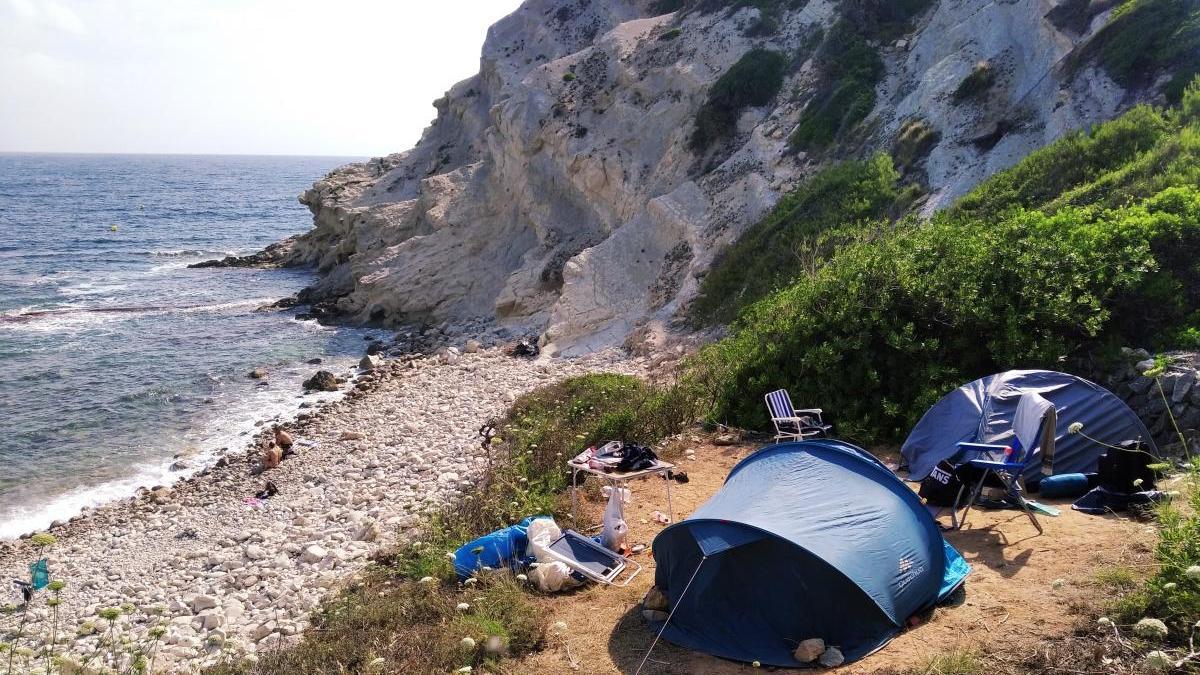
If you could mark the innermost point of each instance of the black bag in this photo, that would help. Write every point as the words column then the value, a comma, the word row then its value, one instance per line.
column 941, row 486
column 1118, row 469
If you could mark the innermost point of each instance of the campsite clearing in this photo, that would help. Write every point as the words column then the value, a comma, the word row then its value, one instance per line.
column 1023, row 588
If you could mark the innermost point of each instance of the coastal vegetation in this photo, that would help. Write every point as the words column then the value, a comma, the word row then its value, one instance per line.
column 1144, row 39
column 753, row 81
column 1085, row 245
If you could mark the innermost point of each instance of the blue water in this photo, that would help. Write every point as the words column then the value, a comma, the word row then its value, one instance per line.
column 114, row 357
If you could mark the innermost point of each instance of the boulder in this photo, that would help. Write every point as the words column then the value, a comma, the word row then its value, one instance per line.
column 282, row 438
column 199, row 603
column 323, row 380
column 832, row 658
column 257, row 374
column 368, row 532
column 655, row 600
column 809, row 650
column 472, row 346
column 654, row 615
column 313, row 554
column 370, row 362
column 351, row 436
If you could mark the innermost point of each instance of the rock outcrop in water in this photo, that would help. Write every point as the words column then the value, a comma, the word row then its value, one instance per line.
column 557, row 189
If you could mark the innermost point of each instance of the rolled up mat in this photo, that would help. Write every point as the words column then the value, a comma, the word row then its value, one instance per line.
column 1063, row 485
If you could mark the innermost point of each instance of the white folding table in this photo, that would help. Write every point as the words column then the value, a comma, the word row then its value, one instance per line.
column 618, row 479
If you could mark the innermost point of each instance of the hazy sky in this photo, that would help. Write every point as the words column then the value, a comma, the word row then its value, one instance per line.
column 352, row 78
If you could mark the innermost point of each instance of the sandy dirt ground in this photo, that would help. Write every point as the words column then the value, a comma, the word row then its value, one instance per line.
column 1011, row 595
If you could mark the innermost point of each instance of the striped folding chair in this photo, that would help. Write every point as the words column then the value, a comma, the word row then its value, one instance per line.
column 792, row 424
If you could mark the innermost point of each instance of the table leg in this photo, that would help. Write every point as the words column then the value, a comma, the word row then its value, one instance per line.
column 670, row 506
column 574, row 498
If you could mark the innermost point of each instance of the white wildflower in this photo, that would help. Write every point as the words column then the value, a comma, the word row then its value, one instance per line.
column 1151, row 629
column 1104, row 622
column 1170, row 586
column 1193, row 572
column 468, row 643
column 522, row 577
column 462, row 607
column 1075, row 428
column 426, row 580
column 1157, row 660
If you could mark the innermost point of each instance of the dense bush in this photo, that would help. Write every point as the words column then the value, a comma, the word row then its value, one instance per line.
column 787, row 244
column 1018, row 275
column 753, row 81
column 1145, row 38
column 850, row 68
column 979, row 80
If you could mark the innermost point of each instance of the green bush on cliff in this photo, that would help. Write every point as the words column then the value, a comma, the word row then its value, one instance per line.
column 753, row 81
column 788, row 242
column 1046, row 261
column 850, row 68
column 1145, row 38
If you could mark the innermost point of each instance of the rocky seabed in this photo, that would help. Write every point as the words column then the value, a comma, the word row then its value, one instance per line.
column 223, row 575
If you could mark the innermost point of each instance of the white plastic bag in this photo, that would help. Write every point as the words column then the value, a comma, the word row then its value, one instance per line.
column 550, row 575
column 615, row 529
column 542, row 532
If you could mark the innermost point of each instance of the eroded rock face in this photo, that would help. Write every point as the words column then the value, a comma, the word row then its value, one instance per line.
column 556, row 191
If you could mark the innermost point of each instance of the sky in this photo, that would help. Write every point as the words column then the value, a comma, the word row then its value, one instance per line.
column 354, row 78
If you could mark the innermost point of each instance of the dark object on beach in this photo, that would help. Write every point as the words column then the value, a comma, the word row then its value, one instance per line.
column 525, row 347
column 322, row 381
column 286, row 303
column 269, row 490
column 188, row 533
column 314, row 361
column 26, row 590
column 678, row 476
column 273, row 256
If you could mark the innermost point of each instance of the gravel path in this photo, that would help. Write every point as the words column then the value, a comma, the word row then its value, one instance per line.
column 223, row 575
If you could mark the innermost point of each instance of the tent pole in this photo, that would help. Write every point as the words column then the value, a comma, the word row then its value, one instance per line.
column 664, row 626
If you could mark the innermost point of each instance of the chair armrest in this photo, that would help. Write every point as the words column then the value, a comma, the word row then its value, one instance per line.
column 984, row 447
column 809, row 410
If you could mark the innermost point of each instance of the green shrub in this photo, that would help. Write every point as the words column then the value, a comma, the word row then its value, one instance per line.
column 786, row 243
column 1172, row 594
column 903, row 314
column 671, row 34
column 568, row 76
column 1145, row 38
column 979, row 80
column 850, row 68
column 753, row 81
column 914, row 142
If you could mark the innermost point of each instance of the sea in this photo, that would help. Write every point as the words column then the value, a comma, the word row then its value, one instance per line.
column 116, row 359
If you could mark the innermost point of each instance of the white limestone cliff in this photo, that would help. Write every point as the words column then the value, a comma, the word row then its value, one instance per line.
column 571, row 204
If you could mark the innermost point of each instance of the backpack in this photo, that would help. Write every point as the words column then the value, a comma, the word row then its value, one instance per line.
column 941, row 486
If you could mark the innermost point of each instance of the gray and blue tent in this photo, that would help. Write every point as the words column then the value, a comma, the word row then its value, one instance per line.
column 982, row 412
column 815, row 539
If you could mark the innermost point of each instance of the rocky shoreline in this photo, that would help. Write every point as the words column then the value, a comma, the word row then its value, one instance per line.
column 224, row 574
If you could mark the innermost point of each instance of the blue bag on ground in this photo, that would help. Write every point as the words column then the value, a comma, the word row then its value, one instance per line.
column 497, row 549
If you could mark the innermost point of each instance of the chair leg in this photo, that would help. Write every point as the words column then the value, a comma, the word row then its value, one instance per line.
column 1016, row 488
column 974, row 498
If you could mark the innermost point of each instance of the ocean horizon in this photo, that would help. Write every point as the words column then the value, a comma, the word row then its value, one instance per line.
column 119, row 361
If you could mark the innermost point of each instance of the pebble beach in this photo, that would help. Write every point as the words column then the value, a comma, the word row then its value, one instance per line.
column 207, row 572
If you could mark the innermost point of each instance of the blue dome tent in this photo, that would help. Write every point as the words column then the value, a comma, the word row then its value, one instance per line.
column 982, row 411
column 815, row 539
